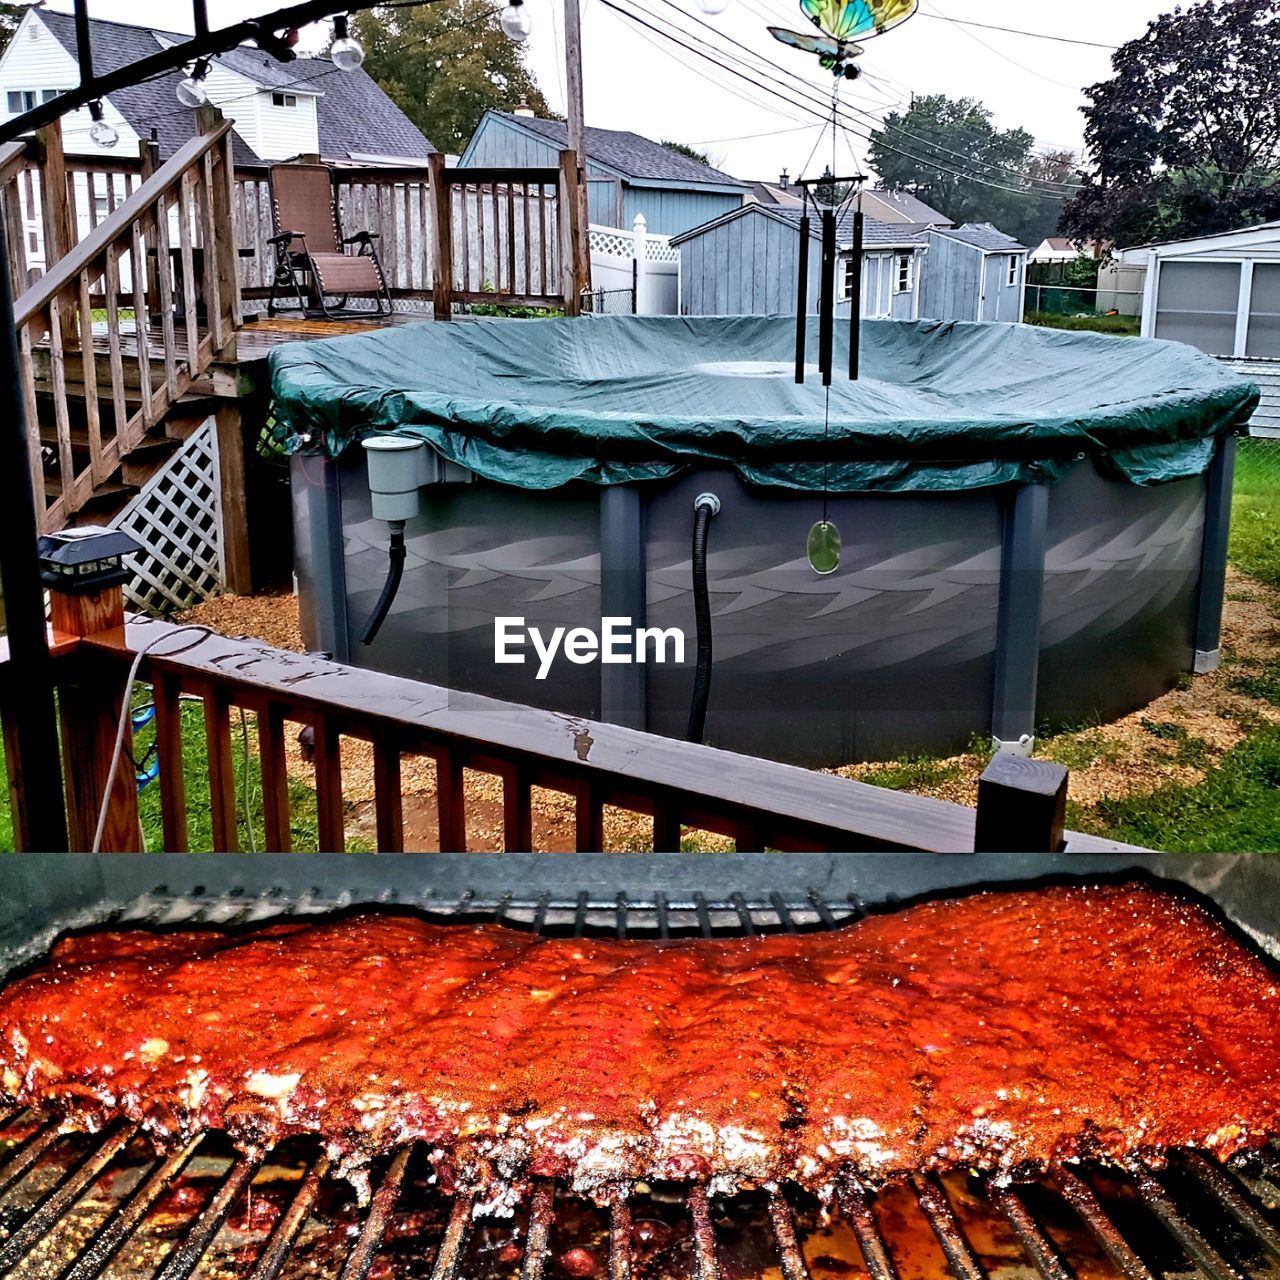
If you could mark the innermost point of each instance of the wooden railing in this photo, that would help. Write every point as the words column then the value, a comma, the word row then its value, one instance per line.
column 506, row 236
column 123, row 322
column 679, row 786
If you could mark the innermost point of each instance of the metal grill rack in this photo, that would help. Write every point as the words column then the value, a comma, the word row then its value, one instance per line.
column 1195, row 1217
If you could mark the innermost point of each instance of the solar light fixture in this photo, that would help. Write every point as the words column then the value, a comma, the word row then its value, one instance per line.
column 192, row 91
column 100, row 132
column 85, row 559
column 346, row 52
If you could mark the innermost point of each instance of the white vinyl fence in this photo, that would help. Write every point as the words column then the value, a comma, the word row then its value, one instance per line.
column 621, row 259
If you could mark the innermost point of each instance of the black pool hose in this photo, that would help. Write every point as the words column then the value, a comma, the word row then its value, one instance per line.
column 395, row 571
column 705, row 507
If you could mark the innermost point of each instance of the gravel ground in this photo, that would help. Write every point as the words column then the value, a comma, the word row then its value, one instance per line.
column 1131, row 756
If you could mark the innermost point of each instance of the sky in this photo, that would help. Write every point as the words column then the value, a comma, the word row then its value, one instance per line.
column 756, row 118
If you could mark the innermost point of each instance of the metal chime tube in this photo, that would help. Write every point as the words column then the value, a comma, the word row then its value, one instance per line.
column 855, row 298
column 827, row 307
column 802, row 296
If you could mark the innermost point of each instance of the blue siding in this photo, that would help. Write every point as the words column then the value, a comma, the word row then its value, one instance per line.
column 952, row 280
column 669, row 211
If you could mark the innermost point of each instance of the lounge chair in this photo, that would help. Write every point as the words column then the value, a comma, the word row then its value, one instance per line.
column 315, row 262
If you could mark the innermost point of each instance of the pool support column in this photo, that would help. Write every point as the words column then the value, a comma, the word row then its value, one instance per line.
column 324, row 551
column 622, row 595
column 1013, row 714
column 1213, row 563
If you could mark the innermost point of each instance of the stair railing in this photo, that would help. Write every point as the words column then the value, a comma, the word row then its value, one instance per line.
column 121, row 326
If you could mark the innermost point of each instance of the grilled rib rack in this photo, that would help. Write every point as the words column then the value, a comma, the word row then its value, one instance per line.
column 63, row 1215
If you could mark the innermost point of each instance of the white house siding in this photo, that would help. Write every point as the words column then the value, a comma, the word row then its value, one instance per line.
column 1266, row 373
column 285, row 132
column 35, row 60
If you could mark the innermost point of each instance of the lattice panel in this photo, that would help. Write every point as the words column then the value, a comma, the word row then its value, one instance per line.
column 618, row 244
column 177, row 519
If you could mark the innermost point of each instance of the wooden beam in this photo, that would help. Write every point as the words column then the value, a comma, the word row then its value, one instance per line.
column 1022, row 806
column 571, row 242
column 442, row 229
column 89, row 705
column 237, row 567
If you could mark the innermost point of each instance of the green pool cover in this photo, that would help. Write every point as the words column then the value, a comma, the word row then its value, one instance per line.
column 940, row 406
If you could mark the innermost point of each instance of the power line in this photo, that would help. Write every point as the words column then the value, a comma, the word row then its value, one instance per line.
column 808, row 103
column 1015, row 31
column 991, row 167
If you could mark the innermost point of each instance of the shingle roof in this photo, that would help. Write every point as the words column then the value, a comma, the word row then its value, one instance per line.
column 629, row 153
column 874, row 232
column 982, row 235
column 912, row 208
column 352, row 112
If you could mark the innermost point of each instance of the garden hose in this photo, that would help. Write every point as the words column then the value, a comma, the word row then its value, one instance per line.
column 705, row 507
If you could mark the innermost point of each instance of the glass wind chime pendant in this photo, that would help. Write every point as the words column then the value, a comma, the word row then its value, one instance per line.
column 824, row 548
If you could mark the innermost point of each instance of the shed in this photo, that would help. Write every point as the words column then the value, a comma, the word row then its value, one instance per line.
column 626, row 174
column 747, row 263
column 973, row 272
column 1219, row 293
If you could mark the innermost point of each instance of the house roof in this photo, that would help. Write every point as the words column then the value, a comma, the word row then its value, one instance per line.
column 350, row 107
column 982, row 235
column 628, row 153
column 1259, row 232
column 875, row 234
column 910, row 207
column 771, row 193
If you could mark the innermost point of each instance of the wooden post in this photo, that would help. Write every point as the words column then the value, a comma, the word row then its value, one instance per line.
column 89, row 705
column 226, row 261
column 148, row 163
column 442, row 249
column 570, row 241
column 237, row 569
column 577, row 138
column 1022, row 806
column 55, row 212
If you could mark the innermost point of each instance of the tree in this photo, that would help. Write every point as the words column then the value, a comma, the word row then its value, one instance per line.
column 690, row 153
column 949, row 153
column 445, row 65
column 10, row 15
column 1185, row 136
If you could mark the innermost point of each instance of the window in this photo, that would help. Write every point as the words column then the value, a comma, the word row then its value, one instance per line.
column 48, row 95
column 284, row 99
column 21, row 100
column 1013, row 270
column 905, row 263
column 846, row 280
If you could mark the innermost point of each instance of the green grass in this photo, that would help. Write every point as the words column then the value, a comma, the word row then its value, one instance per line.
column 1128, row 326
column 913, row 773
column 1235, row 808
column 195, row 759
column 1255, row 511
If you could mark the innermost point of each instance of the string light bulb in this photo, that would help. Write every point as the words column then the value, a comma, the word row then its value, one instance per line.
column 346, row 52
column 515, row 21
column 713, row 7
column 191, row 91
column 100, row 132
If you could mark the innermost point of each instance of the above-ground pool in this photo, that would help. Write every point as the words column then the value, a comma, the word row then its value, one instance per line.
column 1033, row 522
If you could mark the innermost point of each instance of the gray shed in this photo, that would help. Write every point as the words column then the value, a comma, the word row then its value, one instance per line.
column 747, row 263
column 974, row 272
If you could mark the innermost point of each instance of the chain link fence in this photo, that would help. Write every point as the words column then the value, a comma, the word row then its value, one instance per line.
column 1258, row 464
column 609, row 302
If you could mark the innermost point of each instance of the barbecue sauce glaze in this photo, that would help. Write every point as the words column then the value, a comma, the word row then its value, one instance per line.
column 1001, row 1031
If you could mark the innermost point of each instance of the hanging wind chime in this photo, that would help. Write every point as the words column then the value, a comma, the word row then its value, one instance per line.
column 841, row 24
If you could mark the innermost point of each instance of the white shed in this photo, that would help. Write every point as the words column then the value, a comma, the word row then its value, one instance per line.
column 1219, row 293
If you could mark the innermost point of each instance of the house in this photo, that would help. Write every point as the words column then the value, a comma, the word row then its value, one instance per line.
column 280, row 110
column 626, row 174
column 747, row 262
column 973, row 272
column 901, row 207
column 1220, row 293
column 898, row 207
column 1060, row 249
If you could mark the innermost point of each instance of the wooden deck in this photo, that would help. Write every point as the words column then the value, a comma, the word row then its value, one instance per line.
column 260, row 333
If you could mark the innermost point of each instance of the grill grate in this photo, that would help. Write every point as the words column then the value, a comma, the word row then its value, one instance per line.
column 1143, row 1223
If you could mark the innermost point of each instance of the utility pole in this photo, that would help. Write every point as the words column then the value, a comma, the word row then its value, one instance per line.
column 577, row 132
